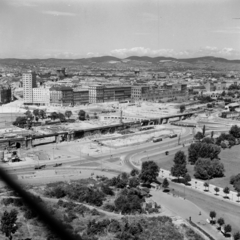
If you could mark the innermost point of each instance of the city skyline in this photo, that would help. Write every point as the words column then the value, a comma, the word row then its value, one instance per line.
column 119, row 28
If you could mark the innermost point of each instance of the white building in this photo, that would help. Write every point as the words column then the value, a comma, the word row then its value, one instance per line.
column 41, row 96
column 29, row 82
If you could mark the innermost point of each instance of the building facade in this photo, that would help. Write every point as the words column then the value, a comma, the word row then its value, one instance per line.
column 101, row 93
column 139, row 92
column 5, row 94
column 80, row 96
column 41, row 96
column 29, row 82
column 55, row 96
column 67, row 96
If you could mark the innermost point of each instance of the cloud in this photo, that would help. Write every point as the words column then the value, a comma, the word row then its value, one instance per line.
column 150, row 17
column 57, row 13
column 230, row 30
column 203, row 51
column 141, row 51
column 141, row 33
column 91, row 54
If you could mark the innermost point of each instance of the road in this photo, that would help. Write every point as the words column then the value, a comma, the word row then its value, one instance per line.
column 229, row 211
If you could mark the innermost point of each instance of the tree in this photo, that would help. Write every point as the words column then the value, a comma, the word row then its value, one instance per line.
column 165, row 183
column 206, row 185
column 133, row 182
column 42, row 114
column 208, row 140
column 54, row 115
column 198, row 136
column 61, row 117
column 68, row 114
column 182, row 108
column 202, row 150
column 149, row 172
column 82, row 115
column 227, row 228
column 234, row 87
column 226, row 190
column 187, row 178
column 220, row 222
column 235, row 131
column 20, row 121
column 212, row 133
column 179, row 168
column 216, row 189
column 236, row 236
column 206, row 169
column 8, row 223
column 238, row 195
column 203, row 130
column 212, row 215
column 36, row 112
column 134, row 172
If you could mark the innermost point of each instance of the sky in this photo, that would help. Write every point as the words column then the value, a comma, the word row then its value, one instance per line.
column 120, row 28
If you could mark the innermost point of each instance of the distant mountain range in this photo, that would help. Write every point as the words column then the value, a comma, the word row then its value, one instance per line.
column 207, row 60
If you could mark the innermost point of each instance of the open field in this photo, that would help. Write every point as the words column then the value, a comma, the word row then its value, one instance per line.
column 229, row 157
column 231, row 160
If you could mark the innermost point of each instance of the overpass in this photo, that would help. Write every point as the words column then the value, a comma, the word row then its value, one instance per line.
column 34, row 140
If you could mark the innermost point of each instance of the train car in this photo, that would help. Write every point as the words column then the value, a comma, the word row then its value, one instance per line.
column 146, row 128
column 157, row 139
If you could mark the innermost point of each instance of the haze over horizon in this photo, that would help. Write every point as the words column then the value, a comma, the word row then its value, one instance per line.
column 120, row 28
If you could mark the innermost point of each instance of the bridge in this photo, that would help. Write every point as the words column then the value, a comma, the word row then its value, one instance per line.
column 34, row 140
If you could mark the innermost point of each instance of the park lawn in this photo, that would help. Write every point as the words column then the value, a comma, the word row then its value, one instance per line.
column 229, row 157
column 231, row 160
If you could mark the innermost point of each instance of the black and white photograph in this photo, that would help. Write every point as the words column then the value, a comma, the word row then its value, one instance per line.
column 119, row 119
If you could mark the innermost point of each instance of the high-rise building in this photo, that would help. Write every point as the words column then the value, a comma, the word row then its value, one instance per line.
column 29, row 82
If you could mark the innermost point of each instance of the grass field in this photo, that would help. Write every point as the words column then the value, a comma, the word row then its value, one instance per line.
column 229, row 157
column 231, row 160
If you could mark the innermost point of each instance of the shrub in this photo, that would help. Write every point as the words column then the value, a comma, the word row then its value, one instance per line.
column 107, row 190
column 95, row 212
column 109, row 207
column 7, row 201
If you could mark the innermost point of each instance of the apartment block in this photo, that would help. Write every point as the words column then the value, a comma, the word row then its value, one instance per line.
column 5, row 94
column 41, row 96
column 80, row 96
column 67, row 96
column 101, row 93
column 55, row 96
column 139, row 92
column 96, row 93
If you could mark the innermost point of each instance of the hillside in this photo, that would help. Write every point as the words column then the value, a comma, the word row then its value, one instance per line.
column 208, row 62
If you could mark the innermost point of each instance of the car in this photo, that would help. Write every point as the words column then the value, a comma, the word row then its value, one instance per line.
column 167, row 152
column 43, row 166
column 57, row 165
